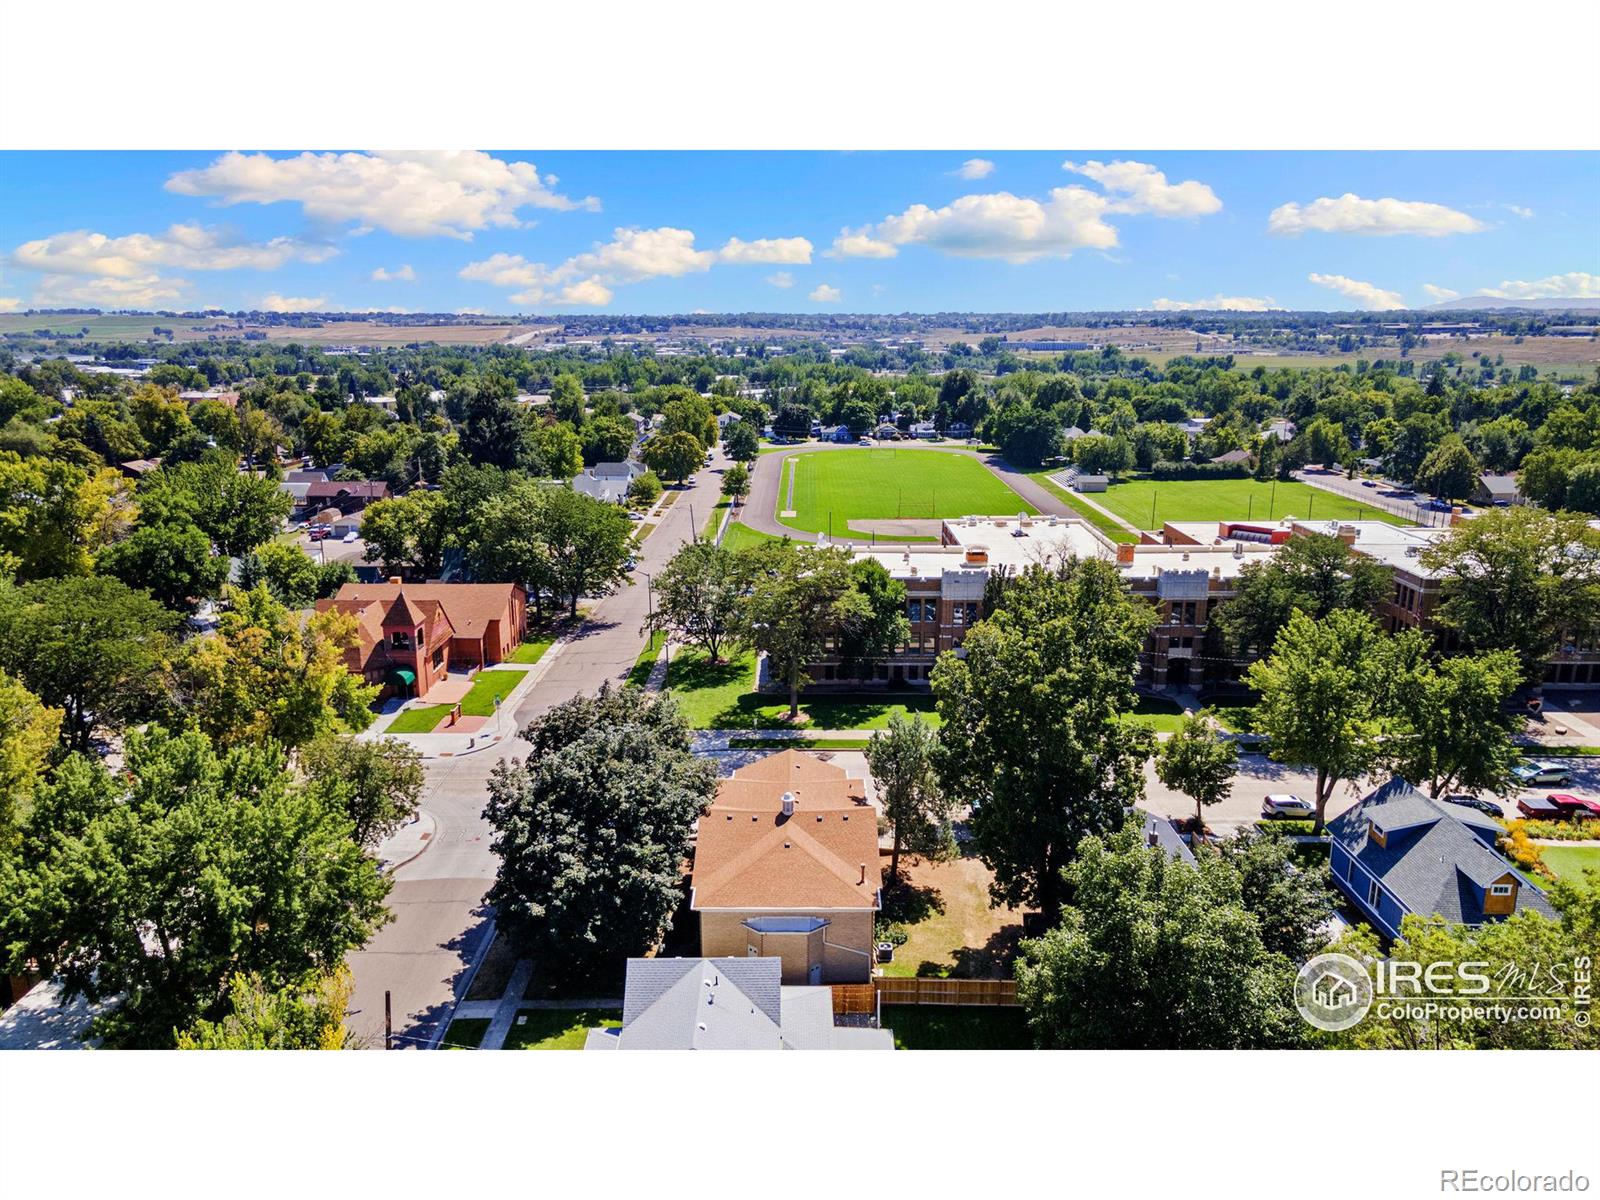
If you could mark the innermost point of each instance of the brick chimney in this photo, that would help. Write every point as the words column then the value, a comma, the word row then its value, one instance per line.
column 1124, row 554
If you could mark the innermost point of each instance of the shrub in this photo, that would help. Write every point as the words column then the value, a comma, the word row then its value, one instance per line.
column 1561, row 831
column 1520, row 849
column 1286, row 827
column 645, row 490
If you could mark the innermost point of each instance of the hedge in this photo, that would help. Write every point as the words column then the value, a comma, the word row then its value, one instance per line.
column 1208, row 470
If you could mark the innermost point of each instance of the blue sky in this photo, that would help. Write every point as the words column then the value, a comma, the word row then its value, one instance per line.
column 659, row 232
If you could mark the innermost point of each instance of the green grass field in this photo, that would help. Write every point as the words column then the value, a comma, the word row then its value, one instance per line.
column 558, row 1028
column 884, row 484
column 1229, row 500
column 1094, row 516
column 465, row 1033
column 739, row 536
column 719, row 697
column 108, row 327
column 1570, row 862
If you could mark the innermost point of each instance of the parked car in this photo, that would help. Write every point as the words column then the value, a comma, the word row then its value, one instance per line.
column 319, row 532
column 866, row 441
column 1371, row 483
column 1539, row 808
column 1487, row 807
column 1532, row 774
column 1574, row 808
column 351, row 536
column 1281, row 804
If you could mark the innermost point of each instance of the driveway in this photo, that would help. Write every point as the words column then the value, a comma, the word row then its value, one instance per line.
column 767, row 476
column 441, row 924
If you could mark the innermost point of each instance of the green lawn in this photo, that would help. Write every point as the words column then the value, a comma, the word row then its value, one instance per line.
column 1570, row 862
column 739, row 536
column 1229, row 500
column 719, row 697
column 939, row 1027
column 640, row 675
column 1088, row 512
column 1157, row 713
column 465, row 1033
column 419, row 720
column 558, row 1028
column 883, row 483
column 531, row 651
column 715, row 519
column 479, row 702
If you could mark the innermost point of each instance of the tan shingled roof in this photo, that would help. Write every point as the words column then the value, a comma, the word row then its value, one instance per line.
column 749, row 856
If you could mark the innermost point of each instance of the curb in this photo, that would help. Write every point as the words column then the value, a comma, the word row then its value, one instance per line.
column 421, row 850
column 465, row 985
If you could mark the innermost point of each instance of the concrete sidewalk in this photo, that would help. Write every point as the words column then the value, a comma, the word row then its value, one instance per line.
column 406, row 843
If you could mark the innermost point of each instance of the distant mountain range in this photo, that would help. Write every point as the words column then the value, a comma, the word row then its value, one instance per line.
column 1480, row 303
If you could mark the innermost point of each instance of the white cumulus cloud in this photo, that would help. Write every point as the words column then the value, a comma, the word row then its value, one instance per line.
column 825, row 293
column 859, row 243
column 766, row 250
column 1519, row 211
column 401, row 274
column 1140, row 188
column 975, row 168
column 110, row 291
column 1217, row 303
column 632, row 256
column 1440, row 293
column 1574, row 285
column 781, row 279
column 10, row 303
column 189, row 247
column 273, row 302
column 412, row 194
column 1367, row 295
column 1349, row 213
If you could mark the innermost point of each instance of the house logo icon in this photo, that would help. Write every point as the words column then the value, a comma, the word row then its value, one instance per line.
column 1333, row 992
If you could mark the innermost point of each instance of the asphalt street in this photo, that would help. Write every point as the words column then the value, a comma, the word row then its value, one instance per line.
column 440, row 922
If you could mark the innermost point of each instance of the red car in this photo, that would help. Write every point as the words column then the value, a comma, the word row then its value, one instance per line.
column 1573, row 808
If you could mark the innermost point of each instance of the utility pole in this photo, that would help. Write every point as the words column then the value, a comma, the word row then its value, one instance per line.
column 388, row 1021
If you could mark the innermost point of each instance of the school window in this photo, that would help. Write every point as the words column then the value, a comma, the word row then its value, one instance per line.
column 400, row 641
column 914, row 610
column 972, row 613
column 1372, row 895
column 955, row 614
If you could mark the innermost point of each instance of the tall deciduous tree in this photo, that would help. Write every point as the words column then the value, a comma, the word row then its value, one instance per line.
column 877, row 624
column 736, row 482
column 304, row 1017
column 741, row 441
column 587, row 545
column 269, row 674
column 799, row 596
column 901, row 758
column 409, row 534
column 92, row 647
column 172, row 561
column 1155, row 953
column 674, row 456
column 1033, row 737
column 160, row 885
column 1315, row 573
column 54, row 517
column 1519, row 579
column 1198, row 762
column 1450, row 729
column 1449, row 472
column 377, row 783
column 1323, row 693
column 593, row 828
column 237, row 510
column 28, row 731
column 698, row 596
column 1292, row 899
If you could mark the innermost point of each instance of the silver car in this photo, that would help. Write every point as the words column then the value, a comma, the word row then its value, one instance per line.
column 1281, row 804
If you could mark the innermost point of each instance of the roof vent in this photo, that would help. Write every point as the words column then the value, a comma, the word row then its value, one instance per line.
column 788, row 804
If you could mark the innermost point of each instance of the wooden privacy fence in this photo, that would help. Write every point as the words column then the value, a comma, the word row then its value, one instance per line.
column 963, row 992
column 854, row 998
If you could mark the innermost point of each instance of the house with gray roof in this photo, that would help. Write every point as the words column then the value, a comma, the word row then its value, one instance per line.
column 1400, row 852
column 727, row 1004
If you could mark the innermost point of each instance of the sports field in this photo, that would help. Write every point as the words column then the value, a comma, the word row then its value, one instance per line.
column 1147, row 503
column 835, row 488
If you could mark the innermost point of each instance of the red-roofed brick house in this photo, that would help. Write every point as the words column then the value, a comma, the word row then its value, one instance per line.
column 412, row 635
column 786, row 866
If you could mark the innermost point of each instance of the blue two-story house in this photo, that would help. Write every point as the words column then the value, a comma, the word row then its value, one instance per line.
column 1399, row 852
